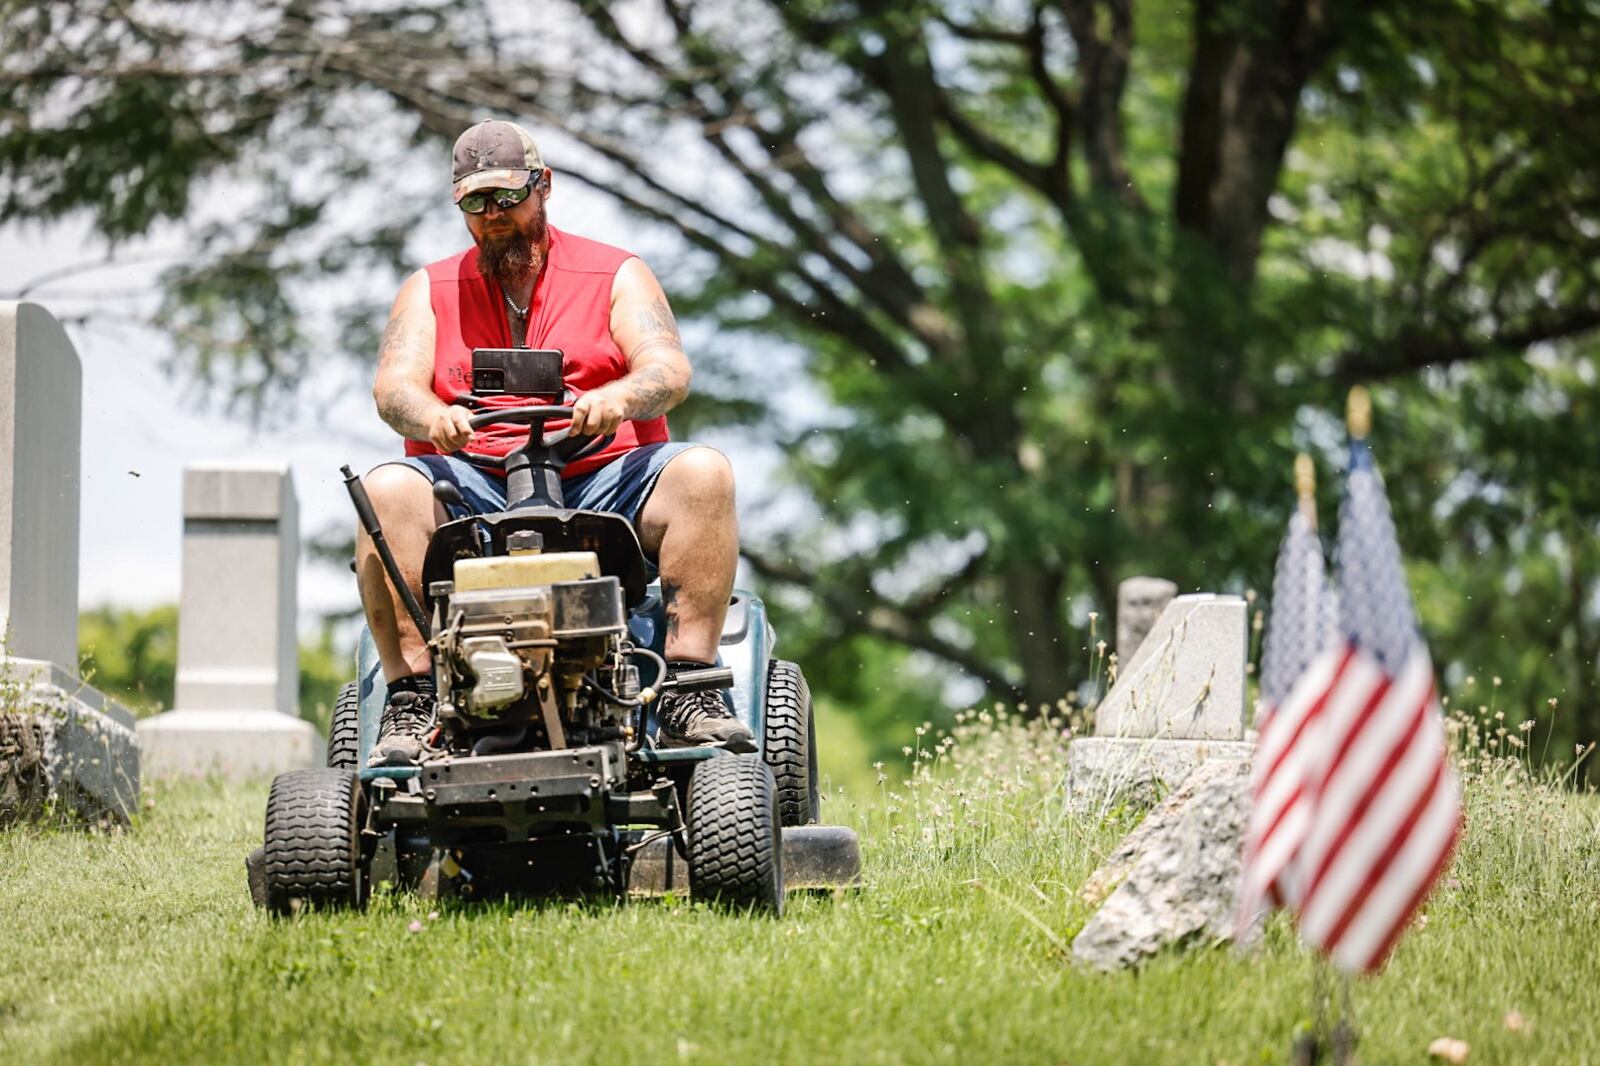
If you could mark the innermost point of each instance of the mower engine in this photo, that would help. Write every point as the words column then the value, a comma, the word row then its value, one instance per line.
column 530, row 651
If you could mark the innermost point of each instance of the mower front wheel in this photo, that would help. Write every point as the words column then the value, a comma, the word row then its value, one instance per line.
column 735, row 845
column 344, row 729
column 312, row 857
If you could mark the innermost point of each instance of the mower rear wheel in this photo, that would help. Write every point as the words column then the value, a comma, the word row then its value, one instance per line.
column 344, row 729
column 312, row 853
column 789, row 745
column 735, row 836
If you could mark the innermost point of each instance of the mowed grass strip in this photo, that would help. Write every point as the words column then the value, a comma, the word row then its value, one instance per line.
column 142, row 946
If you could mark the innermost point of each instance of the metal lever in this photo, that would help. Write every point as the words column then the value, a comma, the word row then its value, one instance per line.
column 369, row 522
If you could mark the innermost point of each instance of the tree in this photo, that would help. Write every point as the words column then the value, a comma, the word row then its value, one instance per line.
column 1072, row 279
column 132, row 655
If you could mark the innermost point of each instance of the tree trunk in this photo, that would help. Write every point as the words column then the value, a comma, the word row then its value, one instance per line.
column 1033, row 607
column 1252, row 59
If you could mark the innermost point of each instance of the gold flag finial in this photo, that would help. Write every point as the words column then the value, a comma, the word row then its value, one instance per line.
column 1305, row 486
column 1358, row 412
column 1305, row 476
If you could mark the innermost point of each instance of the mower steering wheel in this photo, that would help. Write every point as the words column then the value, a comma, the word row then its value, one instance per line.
column 536, row 417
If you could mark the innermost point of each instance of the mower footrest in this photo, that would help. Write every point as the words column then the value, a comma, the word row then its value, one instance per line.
column 814, row 857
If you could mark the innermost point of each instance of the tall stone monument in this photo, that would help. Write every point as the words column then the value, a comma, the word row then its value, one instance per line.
column 1178, row 701
column 236, row 710
column 41, row 402
column 61, row 742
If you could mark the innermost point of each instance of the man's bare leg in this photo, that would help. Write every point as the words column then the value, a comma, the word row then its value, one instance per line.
column 408, row 514
column 690, row 525
column 403, row 500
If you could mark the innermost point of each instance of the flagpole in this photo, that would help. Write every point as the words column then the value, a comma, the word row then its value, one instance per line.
column 1358, row 419
column 1307, row 1049
column 1344, row 1034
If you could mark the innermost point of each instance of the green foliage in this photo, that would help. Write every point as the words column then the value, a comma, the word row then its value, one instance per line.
column 1031, row 296
column 132, row 655
column 326, row 666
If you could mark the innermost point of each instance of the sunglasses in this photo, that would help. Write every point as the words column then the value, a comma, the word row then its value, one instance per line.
column 476, row 203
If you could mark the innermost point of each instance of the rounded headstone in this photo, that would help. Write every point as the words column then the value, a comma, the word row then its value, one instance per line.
column 1140, row 601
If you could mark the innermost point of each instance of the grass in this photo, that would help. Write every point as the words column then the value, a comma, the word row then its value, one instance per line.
column 142, row 946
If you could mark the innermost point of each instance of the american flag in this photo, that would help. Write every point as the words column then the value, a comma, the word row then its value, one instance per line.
column 1301, row 625
column 1378, row 809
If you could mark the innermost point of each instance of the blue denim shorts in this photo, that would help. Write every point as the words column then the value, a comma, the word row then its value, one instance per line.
column 621, row 486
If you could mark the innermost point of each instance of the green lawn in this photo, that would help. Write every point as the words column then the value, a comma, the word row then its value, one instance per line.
column 142, row 946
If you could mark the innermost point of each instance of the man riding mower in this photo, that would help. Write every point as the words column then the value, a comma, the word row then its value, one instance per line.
column 543, row 716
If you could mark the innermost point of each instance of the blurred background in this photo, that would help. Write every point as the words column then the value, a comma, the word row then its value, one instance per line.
column 993, row 304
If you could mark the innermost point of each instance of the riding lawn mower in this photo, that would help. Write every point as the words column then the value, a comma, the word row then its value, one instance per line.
column 544, row 774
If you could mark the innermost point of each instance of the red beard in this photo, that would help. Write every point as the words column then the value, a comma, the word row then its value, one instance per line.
column 510, row 255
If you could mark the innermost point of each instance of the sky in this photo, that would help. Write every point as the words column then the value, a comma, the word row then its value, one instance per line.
column 142, row 427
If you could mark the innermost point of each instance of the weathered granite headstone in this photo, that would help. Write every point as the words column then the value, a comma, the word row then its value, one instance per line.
column 1140, row 601
column 1178, row 700
column 62, row 744
column 67, row 751
column 1187, row 679
column 1173, row 881
column 41, row 402
column 236, row 710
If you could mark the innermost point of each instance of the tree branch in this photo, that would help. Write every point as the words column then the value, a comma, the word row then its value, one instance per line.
column 885, row 282
column 1251, row 63
column 1413, row 351
column 1104, row 66
column 872, row 615
column 985, row 34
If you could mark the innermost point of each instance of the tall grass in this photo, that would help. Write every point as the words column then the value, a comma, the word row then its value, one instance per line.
column 141, row 945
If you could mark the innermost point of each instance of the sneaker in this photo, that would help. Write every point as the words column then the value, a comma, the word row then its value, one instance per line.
column 403, row 730
column 692, row 719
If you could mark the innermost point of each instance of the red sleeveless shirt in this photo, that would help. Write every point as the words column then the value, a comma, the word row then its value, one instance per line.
column 570, row 310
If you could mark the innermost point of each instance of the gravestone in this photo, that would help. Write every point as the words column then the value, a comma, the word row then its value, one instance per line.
column 41, row 401
column 1178, row 700
column 236, row 711
column 62, row 744
column 1172, row 882
column 1186, row 681
column 1140, row 601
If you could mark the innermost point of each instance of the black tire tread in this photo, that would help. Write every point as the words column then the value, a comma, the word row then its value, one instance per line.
column 786, row 745
column 312, row 848
column 735, row 852
column 344, row 729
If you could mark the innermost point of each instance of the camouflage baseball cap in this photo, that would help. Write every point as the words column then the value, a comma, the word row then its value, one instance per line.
column 494, row 155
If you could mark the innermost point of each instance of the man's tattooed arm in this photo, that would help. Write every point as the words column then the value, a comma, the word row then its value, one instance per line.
column 644, row 328
column 650, row 391
column 403, row 387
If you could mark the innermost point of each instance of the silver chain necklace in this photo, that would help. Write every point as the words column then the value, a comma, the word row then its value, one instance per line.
column 521, row 312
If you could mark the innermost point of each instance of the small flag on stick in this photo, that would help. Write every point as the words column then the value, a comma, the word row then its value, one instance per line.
column 1370, row 807
column 1300, row 627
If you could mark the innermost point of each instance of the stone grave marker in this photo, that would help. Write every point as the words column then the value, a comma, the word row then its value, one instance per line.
column 62, row 744
column 1174, row 880
column 1178, row 700
column 1140, row 601
column 236, row 710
